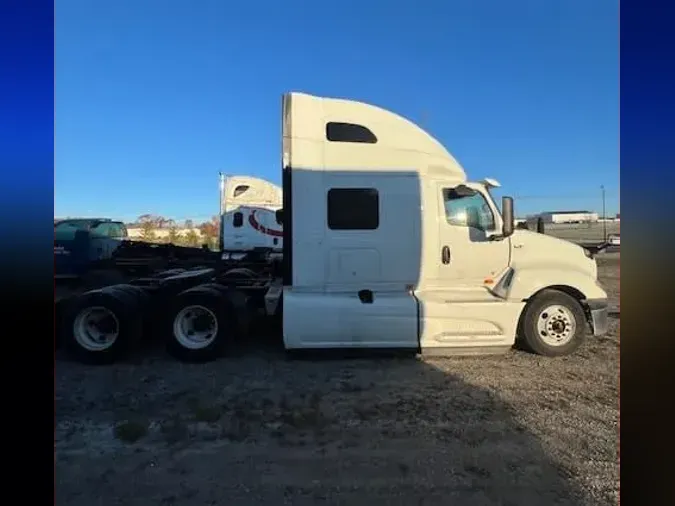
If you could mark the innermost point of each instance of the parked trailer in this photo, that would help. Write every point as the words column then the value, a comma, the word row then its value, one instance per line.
column 386, row 244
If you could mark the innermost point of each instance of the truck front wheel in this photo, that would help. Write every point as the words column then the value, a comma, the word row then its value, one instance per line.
column 553, row 324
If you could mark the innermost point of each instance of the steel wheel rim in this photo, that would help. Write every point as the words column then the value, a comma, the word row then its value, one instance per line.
column 96, row 328
column 195, row 327
column 556, row 325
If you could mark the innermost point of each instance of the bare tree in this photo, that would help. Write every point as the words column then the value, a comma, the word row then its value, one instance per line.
column 148, row 231
column 173, row 237
column 210, row 231
column 191, row 238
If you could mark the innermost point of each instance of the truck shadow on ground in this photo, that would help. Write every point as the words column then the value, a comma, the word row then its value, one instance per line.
column 321, row 429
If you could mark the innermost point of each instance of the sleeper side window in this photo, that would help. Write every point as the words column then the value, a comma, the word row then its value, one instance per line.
column 353, row 209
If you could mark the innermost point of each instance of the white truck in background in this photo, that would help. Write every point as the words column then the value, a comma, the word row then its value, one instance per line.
column 248, row 208
column 386, row 244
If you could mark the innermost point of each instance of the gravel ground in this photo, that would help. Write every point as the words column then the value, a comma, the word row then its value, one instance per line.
column 261, row 429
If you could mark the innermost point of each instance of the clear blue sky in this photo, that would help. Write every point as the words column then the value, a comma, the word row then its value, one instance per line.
column 154, row 97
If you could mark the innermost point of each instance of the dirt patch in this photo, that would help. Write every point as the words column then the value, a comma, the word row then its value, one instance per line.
column 266, row 430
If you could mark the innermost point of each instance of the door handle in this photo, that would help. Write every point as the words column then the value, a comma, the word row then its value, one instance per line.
column 445, row 255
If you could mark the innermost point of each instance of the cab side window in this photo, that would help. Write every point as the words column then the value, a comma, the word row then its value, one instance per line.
column 65, row 231
column 110, row 230
column 468, row 210
column 119, row 231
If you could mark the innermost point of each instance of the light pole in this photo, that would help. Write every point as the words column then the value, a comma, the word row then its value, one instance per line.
column 604, row 216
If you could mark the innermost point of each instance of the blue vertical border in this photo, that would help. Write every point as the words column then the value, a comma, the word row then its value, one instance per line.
column 647, row 174
column 26, row 228
column 27, row 137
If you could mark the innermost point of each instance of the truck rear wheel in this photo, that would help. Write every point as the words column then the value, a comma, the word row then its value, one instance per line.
column 201, row 325
column 101, row 326
column 243, row 307
column 553, row 324
column 239, row 273
column 141, row 296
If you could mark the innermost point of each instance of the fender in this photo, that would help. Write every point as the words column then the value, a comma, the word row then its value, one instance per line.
column 522, row 283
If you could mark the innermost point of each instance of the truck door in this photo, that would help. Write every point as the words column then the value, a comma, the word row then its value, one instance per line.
column 468, row 256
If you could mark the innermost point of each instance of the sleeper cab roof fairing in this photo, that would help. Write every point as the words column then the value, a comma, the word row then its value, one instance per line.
column 233, row 184
column 401, row 145
column 241, row 190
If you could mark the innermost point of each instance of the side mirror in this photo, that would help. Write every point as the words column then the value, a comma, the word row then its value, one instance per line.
column 279, row 215
column 507, row 216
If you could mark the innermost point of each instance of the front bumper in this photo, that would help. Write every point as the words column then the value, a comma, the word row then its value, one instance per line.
column 598, row 310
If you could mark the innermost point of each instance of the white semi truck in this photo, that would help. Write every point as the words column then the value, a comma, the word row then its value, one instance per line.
column 386, row 244
column 248, row 208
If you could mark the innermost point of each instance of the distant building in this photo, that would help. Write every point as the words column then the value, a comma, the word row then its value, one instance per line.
column 566, row 217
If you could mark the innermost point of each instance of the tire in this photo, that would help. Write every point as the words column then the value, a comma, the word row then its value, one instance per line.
column 553, row 324
column 237, row 273
column 222, row 289
column 140, row 300
column 240, row 303
column 140, row 296
column 210, row 304
column 121, row 323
